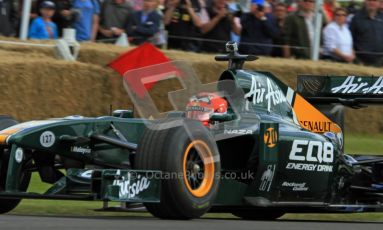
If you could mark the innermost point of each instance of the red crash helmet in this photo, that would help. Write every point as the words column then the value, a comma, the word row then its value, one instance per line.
column 202, row 105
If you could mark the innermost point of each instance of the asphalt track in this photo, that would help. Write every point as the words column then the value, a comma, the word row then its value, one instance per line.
column 20, row 222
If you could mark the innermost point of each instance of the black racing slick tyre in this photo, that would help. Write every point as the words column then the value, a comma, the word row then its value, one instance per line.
column 258, row 214
column 7, row 205
column 188, row 157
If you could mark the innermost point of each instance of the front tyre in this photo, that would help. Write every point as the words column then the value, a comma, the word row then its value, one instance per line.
column 7, row 205
column 187, row 154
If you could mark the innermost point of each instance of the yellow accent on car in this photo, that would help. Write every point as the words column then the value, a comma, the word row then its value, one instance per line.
column 4, row 134
column 209, row 171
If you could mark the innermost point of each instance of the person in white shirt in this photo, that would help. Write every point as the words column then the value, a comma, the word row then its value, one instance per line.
column 337, row 38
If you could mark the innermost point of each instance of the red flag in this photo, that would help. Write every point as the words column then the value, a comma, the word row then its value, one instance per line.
column 139, row 78
column 142, row 56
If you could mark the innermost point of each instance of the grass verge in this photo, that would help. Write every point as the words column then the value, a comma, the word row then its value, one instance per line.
column 364, row 144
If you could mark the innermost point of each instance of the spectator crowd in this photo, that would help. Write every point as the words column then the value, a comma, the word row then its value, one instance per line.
column 351, row 33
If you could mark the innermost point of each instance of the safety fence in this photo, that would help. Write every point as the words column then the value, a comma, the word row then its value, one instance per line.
column 164, row 44
column 198, row 39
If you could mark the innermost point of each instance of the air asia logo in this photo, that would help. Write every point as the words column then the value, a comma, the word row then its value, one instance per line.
column 128, row 189
column 274, row 95
column 317, row 126
column 311, row 151
column 351, row 86
column 270, row 137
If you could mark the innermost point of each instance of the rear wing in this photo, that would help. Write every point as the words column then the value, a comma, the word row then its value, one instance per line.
column 329, row 94
column 352, row 91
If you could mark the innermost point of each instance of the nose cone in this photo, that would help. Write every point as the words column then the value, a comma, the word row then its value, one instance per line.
column 4, row 134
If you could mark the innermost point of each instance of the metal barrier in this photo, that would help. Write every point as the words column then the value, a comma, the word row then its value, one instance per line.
column 66, row 48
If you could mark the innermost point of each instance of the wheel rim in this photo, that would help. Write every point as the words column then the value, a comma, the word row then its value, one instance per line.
column 198, row 168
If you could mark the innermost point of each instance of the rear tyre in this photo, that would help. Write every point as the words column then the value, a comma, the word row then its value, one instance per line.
column 191, row 167
column 7, row 205
column 258, row 215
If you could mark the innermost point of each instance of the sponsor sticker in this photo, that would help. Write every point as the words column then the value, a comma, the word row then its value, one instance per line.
column 270, row 137
column 298, row 187
column 47, row 139
column 311, row 156
column 130, row 189
column 238, row 131
column 317, row 126
column 83, row 150
column 357, row 85
column 87, row 174
column 258, row 94
column 267, row 178
column 309, row 167
column 19, row 154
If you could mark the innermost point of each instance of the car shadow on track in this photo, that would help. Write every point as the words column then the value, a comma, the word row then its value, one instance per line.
column 138, row 216
column 298, row 220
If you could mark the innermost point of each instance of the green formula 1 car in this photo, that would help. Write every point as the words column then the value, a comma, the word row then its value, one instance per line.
column 247, row 144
